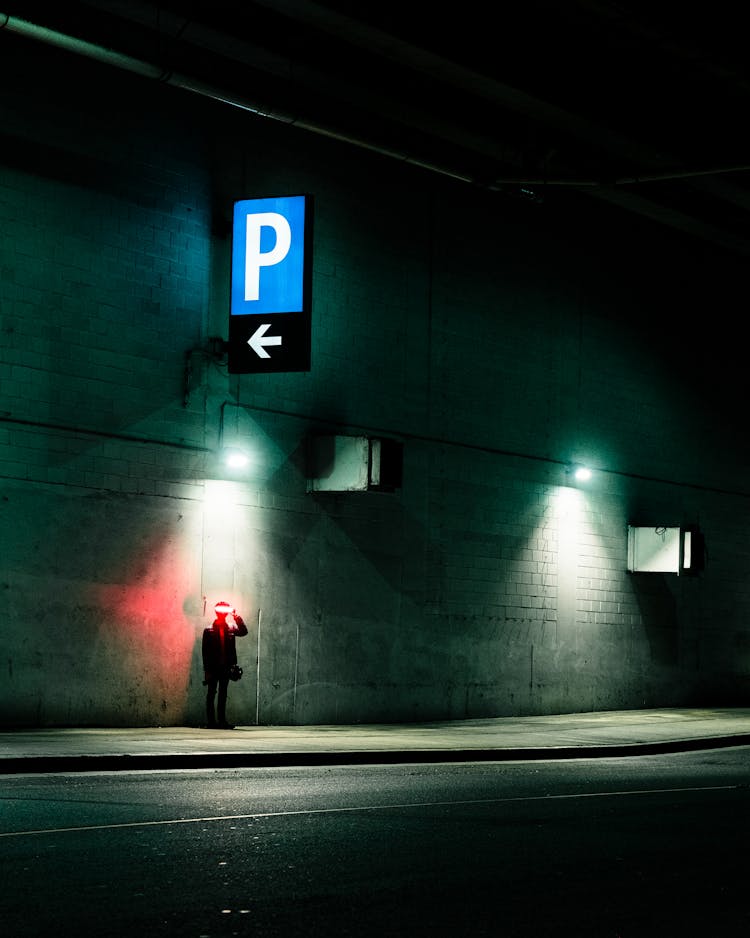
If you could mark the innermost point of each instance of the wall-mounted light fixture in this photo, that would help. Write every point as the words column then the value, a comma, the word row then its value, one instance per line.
column 234, row 458
column 577, row 472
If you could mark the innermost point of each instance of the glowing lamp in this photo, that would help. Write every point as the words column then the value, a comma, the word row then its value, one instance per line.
column 235, row 458
column 577, row 472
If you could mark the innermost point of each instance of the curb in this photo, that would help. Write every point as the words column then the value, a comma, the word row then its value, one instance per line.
column 131, row 763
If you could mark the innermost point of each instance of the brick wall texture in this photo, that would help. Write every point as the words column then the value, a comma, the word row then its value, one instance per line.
column 498, row 341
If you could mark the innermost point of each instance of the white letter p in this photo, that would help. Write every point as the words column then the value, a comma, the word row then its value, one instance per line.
column 254, row 258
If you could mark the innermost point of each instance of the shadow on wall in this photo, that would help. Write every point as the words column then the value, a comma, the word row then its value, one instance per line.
column 659, row 614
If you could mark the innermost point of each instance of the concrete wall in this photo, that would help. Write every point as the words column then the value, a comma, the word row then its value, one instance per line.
column 499, row 341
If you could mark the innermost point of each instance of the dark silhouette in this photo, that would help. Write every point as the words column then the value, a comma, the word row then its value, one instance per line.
column 220, row 662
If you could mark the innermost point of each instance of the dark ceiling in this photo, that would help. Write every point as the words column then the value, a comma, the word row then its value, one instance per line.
column 639, row 103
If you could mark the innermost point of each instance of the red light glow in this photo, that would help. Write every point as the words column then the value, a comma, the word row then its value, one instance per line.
column 150, row 640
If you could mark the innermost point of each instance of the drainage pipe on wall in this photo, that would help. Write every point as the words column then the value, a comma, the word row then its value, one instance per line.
column 257, row 677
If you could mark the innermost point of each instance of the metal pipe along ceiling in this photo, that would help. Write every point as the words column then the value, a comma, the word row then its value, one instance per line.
column 100, row 53
column 615, row 191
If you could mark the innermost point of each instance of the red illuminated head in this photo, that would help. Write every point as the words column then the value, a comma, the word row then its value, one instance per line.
column 222, row 609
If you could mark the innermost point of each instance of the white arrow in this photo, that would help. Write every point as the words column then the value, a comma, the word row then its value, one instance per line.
column 258, row 340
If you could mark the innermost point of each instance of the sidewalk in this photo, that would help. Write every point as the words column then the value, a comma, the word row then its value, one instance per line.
column 566, row 736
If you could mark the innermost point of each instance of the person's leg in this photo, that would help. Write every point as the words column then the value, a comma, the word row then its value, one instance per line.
column 222, row 702
column 210, row 697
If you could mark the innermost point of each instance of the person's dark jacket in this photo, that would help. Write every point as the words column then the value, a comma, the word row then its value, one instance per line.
column 219, row 657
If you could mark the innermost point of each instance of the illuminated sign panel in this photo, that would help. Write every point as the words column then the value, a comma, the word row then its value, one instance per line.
column 269, row 321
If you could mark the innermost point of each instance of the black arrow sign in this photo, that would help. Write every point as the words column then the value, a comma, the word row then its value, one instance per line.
column 269, row 343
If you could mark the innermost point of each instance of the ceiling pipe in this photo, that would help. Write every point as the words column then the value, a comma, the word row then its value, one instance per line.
column 108, row 56
column 600, row 188
column 72, row 44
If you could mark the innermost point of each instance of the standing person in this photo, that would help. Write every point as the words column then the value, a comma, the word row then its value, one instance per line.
column 219, row 656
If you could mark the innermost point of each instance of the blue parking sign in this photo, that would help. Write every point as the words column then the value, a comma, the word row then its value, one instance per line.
column 270, row 293
column 268, row 256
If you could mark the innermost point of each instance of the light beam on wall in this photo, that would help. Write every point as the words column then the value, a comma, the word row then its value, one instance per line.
column 232, row 433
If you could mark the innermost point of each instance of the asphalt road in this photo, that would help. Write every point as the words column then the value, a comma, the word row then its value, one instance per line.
column 608, row 848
